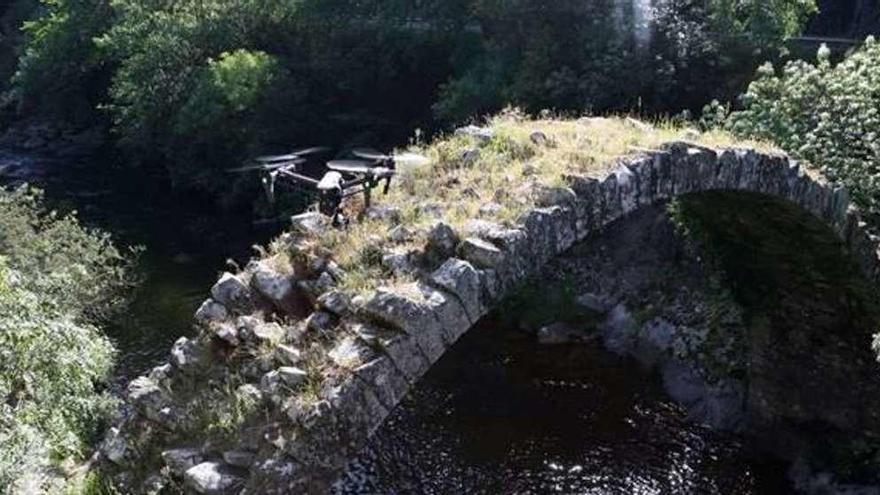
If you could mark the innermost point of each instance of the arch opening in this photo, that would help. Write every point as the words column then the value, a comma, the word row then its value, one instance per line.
column 746, row 309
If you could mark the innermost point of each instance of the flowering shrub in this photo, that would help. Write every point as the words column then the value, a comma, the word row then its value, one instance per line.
column 828, row 115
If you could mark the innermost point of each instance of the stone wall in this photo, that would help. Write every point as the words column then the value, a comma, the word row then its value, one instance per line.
column 375, row 347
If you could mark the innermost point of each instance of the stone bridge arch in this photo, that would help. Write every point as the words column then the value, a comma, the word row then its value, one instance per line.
column 391, row 337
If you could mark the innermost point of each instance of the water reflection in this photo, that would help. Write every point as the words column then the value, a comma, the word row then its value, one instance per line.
column 498, row 414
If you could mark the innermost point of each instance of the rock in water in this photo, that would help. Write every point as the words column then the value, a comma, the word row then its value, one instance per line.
column 562, row 333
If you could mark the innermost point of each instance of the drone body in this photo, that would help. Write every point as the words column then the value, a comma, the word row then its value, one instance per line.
column 343, row 178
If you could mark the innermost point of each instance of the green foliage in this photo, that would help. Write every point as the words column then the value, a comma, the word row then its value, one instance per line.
column 60, row 70
column 828, row 115
column 55, row 279
column 77, row 271
column 603, row 56
column 198, row 85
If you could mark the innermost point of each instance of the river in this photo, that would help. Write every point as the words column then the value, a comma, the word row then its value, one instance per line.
column 500, row 414
column 497, row 414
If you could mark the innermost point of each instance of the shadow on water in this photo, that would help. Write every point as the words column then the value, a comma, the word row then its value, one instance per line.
column 499, row 414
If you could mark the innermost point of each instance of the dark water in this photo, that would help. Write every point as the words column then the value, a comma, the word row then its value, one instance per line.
column 500, row 414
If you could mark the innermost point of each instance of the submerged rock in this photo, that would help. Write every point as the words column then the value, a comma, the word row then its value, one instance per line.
column 562, row 333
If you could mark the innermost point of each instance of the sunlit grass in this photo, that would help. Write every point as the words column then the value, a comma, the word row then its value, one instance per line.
column 495, row 180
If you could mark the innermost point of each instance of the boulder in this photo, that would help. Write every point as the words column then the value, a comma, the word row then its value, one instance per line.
column 231, row 292
column 320, row 321
column 400, row 234
column 114, row 446
column 287, row 355
column 324, row 283
column 482, row 134
column 270, row 384
column 228, row 334
column 470, row 156
column 442, row 240
column 272, row 285
column 291, row 376
column 481, row 253
column 268, row 333
column 151, row 400
column 211, row 311
column 398, row 263
column 239, row 458
column 384, row 213
column 461, row 279
column 180, row 461
column 212, row 478
column 311, row 223
column 187, row 355
column 336, row 302
column 553, row 196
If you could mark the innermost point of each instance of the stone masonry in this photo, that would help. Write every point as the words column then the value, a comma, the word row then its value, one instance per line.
column 383, row 342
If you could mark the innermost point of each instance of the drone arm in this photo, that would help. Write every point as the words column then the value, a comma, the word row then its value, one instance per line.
column 299, row 177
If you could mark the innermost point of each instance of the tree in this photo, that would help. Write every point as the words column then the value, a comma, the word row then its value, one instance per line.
column 60, row 72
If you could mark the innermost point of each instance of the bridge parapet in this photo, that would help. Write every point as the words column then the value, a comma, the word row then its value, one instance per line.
column 371, row 349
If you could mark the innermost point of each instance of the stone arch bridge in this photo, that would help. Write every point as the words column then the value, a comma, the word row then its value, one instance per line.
column 388, row 339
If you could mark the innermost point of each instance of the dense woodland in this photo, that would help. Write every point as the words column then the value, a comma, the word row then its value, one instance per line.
column 193, row 86
column 186, row 88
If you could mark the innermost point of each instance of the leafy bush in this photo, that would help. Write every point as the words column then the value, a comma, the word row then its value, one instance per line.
column 77, row 271
column 828, row 115
column 56, row 279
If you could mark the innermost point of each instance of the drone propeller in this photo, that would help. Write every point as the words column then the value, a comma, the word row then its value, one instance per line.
column 370, row 154
column 350, row 166
column 293, row 155
column 266, row 166
column 412, row 159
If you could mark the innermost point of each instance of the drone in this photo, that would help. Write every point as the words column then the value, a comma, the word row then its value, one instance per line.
column 368, row 170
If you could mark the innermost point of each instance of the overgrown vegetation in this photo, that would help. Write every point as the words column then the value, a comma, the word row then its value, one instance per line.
column 57, row 281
